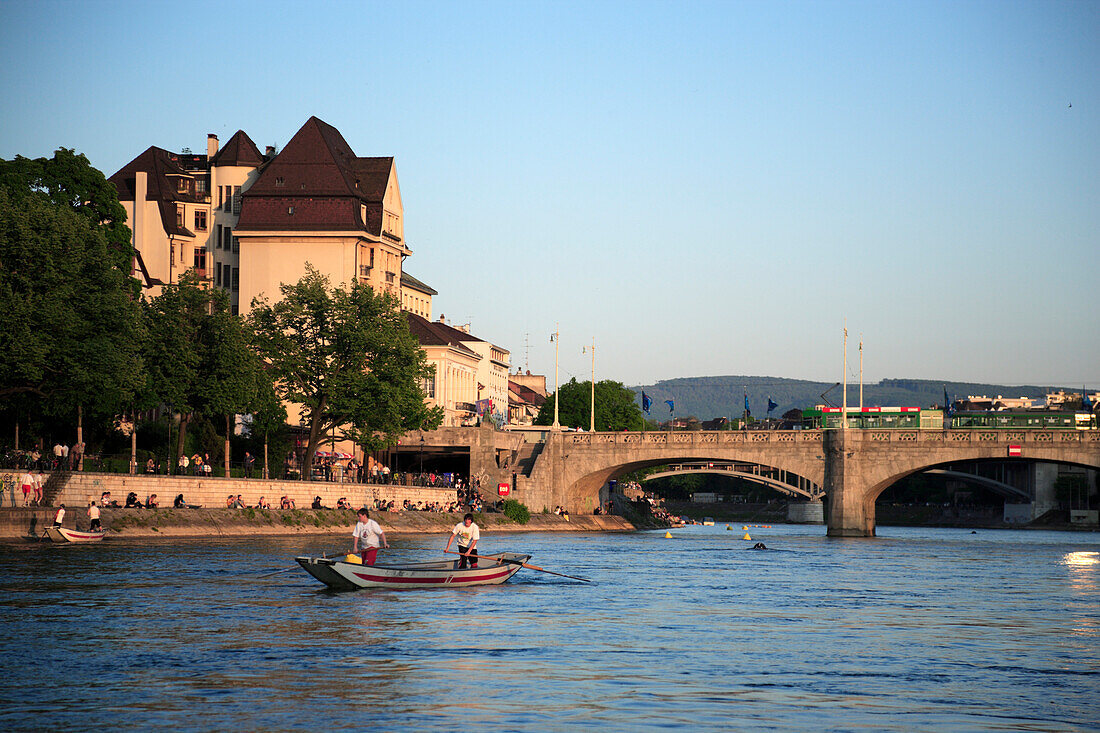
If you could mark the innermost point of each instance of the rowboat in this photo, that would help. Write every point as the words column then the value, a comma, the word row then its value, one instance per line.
column 339, row 574
column 61, row 534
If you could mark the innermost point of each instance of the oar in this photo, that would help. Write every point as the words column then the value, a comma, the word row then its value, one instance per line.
column 294, row 567
column 520, row 562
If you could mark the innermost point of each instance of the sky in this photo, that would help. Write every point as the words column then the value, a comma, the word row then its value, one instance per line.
column 700, row 189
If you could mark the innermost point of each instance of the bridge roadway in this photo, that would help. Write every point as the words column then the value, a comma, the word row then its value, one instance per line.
column 852, row 466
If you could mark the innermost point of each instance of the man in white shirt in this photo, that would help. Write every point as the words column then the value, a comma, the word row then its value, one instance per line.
column 468, row 534
column 93, row 518
column 60, row 517
column 367, row 534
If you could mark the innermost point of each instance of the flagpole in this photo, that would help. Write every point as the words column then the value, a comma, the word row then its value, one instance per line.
column 861, row 373
column 592, row 414
column 557, row 339
column 844, row 408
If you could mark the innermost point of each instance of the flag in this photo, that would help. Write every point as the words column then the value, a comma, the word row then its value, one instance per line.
column 671, row 406
column 1086, row 403
column 646, row 402
column 948, row 407
column 552, row 337
column 771, row 404
column 747, row 410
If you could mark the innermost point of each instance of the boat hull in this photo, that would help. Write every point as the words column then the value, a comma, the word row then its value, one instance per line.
column 339, row 574
column 61, row 534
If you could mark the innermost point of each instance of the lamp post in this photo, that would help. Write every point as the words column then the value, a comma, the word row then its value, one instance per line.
column 592, row 413
column 844, row 407
column 556, row 337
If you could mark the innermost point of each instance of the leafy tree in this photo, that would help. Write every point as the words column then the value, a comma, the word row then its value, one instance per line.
column 200, row 358
column 615, row 406
column 347, row 358
column 71, row 331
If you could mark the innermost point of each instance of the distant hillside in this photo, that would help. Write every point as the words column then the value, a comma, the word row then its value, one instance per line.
column 710, row 397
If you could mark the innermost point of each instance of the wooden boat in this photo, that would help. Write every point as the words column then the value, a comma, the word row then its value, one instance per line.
column 61, row 534
column 339, row 574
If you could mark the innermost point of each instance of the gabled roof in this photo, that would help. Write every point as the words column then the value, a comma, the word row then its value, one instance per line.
column 239, row 150
column 455, row 333
column 409, row 281
column 158, row 163
column 430, row 334
column 319, row 162
column 317, row 183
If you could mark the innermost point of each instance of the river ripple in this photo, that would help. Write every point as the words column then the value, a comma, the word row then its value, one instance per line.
column 918, row 629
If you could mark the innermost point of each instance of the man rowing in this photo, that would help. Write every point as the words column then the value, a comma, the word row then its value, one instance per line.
column 369, row 532
column 468, row 534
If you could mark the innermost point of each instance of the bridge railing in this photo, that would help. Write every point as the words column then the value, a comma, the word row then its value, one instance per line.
column 695, row 437
column 897, row 435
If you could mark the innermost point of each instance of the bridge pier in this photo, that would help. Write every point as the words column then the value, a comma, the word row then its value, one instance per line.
column 848, row 511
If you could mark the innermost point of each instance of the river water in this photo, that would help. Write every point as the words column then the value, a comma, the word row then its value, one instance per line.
column 917, row 629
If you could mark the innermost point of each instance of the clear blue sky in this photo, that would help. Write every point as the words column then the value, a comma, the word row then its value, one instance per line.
column 705, row 189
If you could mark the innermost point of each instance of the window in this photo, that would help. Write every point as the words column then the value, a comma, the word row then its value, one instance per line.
column 389, row 277
column 218, row 239
column 236, row 245
column 200, row 259
column 227, row 235
column 279, row 182
column 429, row 386
column 236, row 199
column 200, row 221
column 179, row 216
column 181, row 185
column 290, row 211
column 226, row 277
column 201, row 184
column 217, row 275
column 227, row 198
column 236, row 278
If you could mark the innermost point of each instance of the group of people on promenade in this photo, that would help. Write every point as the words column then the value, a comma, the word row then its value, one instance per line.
column 62, row 456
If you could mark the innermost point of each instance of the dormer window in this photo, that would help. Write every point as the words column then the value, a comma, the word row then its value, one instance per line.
column 279, row 182
column 290, row 210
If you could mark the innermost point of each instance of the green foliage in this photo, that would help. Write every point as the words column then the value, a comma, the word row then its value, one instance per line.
column 616, row 408
column 346, row 356
column 71, row 331
column 517, row 511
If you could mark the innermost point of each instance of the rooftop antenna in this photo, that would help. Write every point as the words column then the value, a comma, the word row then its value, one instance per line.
column 527, row 351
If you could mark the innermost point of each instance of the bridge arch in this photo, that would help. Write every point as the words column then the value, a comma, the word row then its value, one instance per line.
column 852, row 466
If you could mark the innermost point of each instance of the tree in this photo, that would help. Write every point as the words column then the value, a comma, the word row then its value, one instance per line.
column 347, row 358
column 71, row 330
column 200, row 357
column 615, row 406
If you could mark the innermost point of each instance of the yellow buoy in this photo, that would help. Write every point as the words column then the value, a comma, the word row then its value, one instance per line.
column 746, row 537
column 729, row 528
column 668, row 535
column 745, row 527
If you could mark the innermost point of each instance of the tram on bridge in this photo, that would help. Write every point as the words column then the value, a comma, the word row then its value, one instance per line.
column 918, row 418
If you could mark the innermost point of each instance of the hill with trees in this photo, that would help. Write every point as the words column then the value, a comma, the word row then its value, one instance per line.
column 710, row 397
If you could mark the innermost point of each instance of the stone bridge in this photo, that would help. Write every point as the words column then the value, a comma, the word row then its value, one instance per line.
column 852, row 466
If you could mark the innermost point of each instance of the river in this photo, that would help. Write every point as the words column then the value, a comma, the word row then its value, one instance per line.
column 917, row 629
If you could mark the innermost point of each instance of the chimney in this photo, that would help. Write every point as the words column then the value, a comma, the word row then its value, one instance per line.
column 270, row 151
column 211, row 145
column 442, row 319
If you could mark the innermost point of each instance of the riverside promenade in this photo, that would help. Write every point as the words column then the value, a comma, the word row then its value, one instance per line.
column 207, row 515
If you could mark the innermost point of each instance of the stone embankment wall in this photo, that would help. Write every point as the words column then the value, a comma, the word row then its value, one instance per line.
column 19, row 523
column 82, row 488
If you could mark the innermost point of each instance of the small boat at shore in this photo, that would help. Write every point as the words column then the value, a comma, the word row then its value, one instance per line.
column 61, row 534
column 339, row 574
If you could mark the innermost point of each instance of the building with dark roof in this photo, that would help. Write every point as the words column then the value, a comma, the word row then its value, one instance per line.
column 249, row 222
